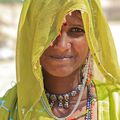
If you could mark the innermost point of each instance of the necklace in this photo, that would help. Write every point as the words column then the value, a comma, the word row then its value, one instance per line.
column 90, row 97
column 48, row 109
column 85, row 78
column 89, row 106
column 90, row 101
column 62, row 100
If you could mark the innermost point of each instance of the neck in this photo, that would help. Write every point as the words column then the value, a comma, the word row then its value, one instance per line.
column 61, row 85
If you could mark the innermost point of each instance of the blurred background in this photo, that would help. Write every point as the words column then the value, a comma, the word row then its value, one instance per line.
column 9, row 17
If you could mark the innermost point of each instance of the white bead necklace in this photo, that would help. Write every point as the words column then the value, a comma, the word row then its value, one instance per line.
column 85, row 76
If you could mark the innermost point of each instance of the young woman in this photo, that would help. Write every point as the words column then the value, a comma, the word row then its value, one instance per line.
column 67, row 67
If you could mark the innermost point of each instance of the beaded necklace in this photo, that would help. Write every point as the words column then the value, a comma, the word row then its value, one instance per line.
column 89, row 106
column 91, row 98
column 62, row 100
column 90, row 102
column 87, row 73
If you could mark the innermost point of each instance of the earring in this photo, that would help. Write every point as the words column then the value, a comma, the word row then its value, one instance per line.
column 87, row 69
column 90, row 68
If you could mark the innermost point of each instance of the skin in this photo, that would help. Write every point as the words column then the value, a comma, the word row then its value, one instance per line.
column 62, row 60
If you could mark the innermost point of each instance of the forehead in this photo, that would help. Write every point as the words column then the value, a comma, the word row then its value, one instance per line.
column 74, row 17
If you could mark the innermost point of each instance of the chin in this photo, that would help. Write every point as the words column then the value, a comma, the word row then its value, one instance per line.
column 61, row 72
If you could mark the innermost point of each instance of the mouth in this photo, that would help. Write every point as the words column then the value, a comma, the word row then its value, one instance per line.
column 61, row 57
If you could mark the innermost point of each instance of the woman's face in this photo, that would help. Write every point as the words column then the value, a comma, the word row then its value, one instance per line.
column 69, row 50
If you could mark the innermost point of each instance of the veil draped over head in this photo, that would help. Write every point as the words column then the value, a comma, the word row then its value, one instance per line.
column 40, row 24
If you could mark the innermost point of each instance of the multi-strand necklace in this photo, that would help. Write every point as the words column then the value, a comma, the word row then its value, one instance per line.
column 89, row 106
column 63, row 100
column 90, row 102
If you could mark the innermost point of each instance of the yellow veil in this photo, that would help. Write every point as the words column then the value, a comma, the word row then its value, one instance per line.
column 40, row 23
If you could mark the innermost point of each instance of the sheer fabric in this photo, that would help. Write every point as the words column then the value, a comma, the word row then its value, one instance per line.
column 40, row 23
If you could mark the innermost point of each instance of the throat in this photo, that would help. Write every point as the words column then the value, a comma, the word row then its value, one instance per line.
column 61, row 85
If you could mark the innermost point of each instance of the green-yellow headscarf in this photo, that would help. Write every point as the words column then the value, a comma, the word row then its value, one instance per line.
column 40, row 23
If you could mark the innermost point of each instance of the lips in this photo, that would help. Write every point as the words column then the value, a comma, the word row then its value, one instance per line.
column 61, row 57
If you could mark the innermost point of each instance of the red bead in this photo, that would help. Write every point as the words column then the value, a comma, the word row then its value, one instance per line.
column 72, row 119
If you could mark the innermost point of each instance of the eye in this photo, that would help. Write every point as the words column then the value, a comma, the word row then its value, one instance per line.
column 75, row 32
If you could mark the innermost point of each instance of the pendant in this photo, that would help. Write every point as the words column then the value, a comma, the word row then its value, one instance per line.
column 66, row 104
column 66, row 98
column 60, row 103
column 53, row 98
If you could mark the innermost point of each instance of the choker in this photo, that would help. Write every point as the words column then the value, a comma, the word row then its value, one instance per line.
column 62, row 100
column 86, row 81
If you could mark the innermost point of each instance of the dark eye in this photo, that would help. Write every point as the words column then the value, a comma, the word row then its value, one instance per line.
column 75, row 32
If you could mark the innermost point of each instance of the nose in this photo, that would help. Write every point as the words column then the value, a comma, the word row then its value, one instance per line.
column 62, row 42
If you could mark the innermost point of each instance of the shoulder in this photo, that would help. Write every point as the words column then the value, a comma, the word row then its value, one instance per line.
column 7, row 102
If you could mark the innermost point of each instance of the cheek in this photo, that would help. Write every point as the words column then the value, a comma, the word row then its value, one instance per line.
column 43, row 58
column 81, row 47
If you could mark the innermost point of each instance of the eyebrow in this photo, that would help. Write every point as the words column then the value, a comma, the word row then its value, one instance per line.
column 77, row 25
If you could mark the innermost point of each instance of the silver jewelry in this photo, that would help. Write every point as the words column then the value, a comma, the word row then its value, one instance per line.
column 62, row 100
column 85, row 76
